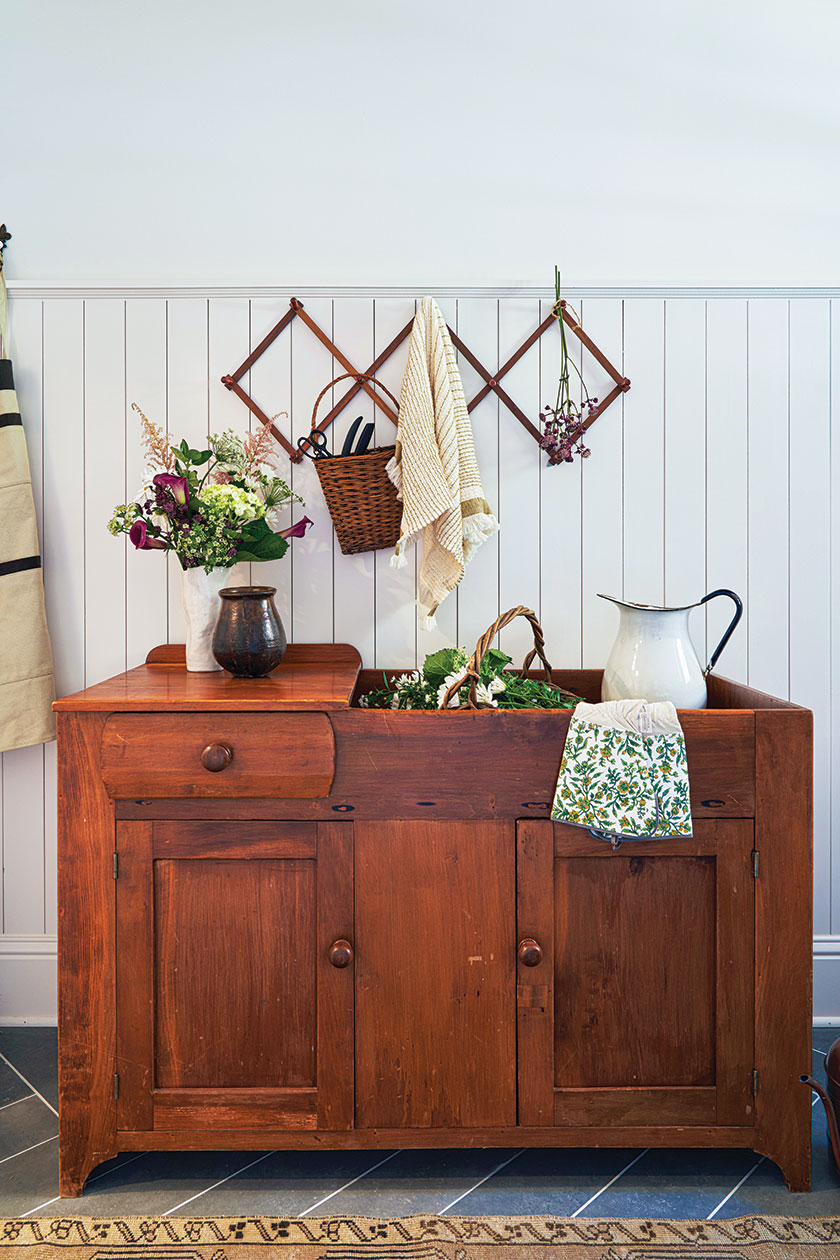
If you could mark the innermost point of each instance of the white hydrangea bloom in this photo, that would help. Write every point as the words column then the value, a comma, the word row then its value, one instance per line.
column 243, row 505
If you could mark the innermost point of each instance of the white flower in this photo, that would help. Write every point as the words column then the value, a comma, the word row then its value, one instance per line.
column 407, row 680
column 495, row 685
column 395, row 700
column 364, row 702
column 484, row 695
column 449, row 681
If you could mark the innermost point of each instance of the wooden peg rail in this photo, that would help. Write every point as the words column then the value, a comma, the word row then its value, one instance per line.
column 491, row 380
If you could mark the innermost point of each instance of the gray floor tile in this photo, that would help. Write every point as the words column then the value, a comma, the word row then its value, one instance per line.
column 547, row 1181
column 285, row 1184
column 680, row 1184
column 34, row 1052
column 12, row 1088
column 153, row 1184
column 29, row 1179
column 419, row 1181
column 25, row 1124
column 823, row 1037
column 765, row 1191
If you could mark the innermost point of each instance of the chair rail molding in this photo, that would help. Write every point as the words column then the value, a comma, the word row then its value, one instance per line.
column 162, row 289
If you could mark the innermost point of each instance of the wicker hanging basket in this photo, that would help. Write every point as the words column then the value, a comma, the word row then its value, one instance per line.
column 473, row 673
column 361, row 497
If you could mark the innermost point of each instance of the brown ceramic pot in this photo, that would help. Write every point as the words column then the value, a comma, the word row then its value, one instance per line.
column 249, row 640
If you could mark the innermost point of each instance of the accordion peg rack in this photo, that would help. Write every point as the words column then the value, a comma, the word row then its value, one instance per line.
column 492, row 380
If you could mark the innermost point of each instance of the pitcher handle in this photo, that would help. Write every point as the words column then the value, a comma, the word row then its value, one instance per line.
column 739, row 612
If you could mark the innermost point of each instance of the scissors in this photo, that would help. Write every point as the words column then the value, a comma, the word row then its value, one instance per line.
column 314, row 445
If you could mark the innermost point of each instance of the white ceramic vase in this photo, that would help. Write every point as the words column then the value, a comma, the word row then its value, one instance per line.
column 200, row 592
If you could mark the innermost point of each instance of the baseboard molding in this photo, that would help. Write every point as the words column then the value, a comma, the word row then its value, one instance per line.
column 28, row 980
column 28, row 993
column 827, row 980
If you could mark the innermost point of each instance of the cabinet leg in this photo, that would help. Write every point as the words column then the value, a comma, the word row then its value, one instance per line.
column 794, row 1165
column 74, row 1168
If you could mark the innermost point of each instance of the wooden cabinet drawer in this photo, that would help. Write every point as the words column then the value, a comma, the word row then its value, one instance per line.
column 218, row 755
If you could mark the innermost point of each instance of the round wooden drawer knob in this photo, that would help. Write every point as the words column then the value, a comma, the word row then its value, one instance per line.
column 216, row 757
column 341, row 953
column 529, row 952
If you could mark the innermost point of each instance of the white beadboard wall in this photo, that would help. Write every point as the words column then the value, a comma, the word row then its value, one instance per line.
column 717, row 469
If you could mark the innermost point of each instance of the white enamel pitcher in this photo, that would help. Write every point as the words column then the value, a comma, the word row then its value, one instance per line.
column 653, row 657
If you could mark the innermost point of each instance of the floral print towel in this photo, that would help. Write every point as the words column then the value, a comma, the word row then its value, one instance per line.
column 624, row 773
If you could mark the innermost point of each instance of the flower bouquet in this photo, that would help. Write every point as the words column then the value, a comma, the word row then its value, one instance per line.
column 214, row 509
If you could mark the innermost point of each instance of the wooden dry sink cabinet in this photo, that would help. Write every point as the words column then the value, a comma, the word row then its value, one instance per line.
column 287, row 922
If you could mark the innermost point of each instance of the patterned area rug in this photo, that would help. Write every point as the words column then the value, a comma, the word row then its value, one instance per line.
column 419, row 1238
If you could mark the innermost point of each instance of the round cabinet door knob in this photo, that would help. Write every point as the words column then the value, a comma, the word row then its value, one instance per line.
column 216, row 757
column 529, row 952
column 341, row 953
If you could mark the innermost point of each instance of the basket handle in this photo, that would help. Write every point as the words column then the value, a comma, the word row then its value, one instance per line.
column 358, row 377
column 474, row 667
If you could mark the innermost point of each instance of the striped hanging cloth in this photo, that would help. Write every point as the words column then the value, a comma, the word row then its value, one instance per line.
column 434, row 466
column 27, row 689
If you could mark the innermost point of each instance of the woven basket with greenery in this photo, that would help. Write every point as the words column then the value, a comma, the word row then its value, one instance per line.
column 450, row 679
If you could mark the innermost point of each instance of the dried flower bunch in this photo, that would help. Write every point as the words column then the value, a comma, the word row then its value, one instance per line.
column 212, row 507
column 496, row 689
column 563, row 430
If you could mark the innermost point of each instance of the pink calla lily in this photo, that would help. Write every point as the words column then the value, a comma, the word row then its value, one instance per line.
column 142, row 539
column 177, row 486
column 297, row 530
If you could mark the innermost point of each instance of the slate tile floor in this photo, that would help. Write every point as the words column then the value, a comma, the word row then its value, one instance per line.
column 607, row 1183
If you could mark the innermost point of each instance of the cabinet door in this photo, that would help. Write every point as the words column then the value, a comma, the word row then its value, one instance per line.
column 639, row 1010
column 435, row 974
column 230, row 1011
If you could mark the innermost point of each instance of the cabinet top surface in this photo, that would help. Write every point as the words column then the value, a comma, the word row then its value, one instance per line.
column 320, row 676
column 310, row 676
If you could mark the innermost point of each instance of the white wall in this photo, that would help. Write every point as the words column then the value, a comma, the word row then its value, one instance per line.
column 362, row 154
column 717, row 469
column 438, row 143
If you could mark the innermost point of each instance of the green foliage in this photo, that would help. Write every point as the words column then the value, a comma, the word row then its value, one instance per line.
column 440, row 664
column 497, row 689
column 259, row 542
column 493, row 664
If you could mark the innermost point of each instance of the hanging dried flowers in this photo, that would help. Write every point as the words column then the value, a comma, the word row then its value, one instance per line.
column 564, row 423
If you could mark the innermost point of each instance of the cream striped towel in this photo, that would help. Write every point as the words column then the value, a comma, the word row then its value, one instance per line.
column 26, row 670
column 434, row 467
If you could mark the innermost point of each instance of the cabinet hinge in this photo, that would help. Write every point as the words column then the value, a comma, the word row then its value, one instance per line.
column 116, row 1085
column 116, row 865
column 755, row 863
column 755, row 1082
